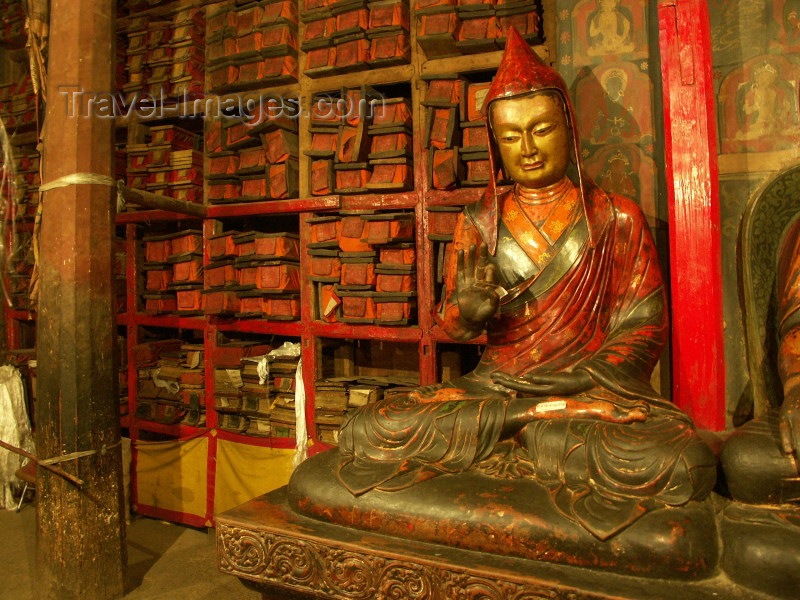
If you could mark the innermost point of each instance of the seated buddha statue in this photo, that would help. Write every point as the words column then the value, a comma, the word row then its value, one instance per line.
column 555, row 447
column 761, row 528
column 760, row 459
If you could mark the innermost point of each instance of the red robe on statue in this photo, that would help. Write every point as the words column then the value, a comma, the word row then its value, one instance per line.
column 571, row 304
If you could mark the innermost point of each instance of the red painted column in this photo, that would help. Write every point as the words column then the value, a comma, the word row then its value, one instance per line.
column 694, row 226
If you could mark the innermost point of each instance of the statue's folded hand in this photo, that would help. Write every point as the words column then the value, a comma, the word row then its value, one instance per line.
column 555, row 396
column 562, row 383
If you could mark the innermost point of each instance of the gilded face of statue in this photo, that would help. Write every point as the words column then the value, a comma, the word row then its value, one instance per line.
column 533, row 138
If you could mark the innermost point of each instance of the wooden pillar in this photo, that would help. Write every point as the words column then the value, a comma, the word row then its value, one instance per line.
column 81, row 532
column 690, row 141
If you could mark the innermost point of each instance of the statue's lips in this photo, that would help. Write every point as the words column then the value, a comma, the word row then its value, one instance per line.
column 532, row 166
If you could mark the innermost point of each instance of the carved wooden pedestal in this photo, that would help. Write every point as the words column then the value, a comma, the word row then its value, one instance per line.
column 288, row 556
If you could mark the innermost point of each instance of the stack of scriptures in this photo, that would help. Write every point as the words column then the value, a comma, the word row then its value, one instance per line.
column 169, row 164
column 253, row 274
column 334, row 396
column 364, row 267
column 12, row 24
column 170, row 387
column 173, row 270
column 229, row 389
column 455, row 133
column 165, row 56
column 254, row 158
column 450, row 28
column 18, row 103
column 353, row 35
column 252, row 45
column 360, row 143
column 256, row 394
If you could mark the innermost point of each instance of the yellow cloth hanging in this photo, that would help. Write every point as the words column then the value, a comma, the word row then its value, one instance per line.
column 244, row 472
column 173, row 475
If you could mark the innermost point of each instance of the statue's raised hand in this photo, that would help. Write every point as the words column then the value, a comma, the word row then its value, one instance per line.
column 476, row 290
column 560, row 383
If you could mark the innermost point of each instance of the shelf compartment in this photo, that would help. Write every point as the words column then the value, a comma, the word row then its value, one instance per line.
column 354, row 373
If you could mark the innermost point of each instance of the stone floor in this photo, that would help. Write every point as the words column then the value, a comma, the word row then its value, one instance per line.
column 165, row 561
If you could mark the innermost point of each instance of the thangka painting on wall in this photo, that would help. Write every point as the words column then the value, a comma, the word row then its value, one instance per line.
column 758, row 106
column 785, row 25
column 603, row 28
column 626, row 170
column 613, row 103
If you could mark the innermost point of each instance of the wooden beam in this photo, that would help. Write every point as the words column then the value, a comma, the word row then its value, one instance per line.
column 690, row 141
column 81, row 532
column 159, row 202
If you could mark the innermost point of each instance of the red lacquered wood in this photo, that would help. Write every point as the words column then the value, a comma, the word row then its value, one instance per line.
column 308, row 348
column 209, row 344
column 20, row 315
column 295, row 205
column 173, row 321
column 393, row 201
column 132, row 265
column 290, row 328
column 428, row 367
column 177, row 430
column 693, row 192
column 264, row 442
column 365, row 332
column 211, row 475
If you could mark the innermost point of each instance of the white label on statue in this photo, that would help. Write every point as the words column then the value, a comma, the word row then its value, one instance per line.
column 550, row 406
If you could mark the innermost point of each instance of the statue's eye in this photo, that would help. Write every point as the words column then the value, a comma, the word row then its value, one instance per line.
column 544, row 129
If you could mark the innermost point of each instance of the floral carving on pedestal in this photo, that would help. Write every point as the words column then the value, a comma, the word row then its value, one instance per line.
column 351, row 575
column 241, row 551
column 400, row 581
column 313, row 567
column 292, row 561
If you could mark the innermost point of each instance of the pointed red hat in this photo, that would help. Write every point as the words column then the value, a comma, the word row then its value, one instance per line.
column 521, row 72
